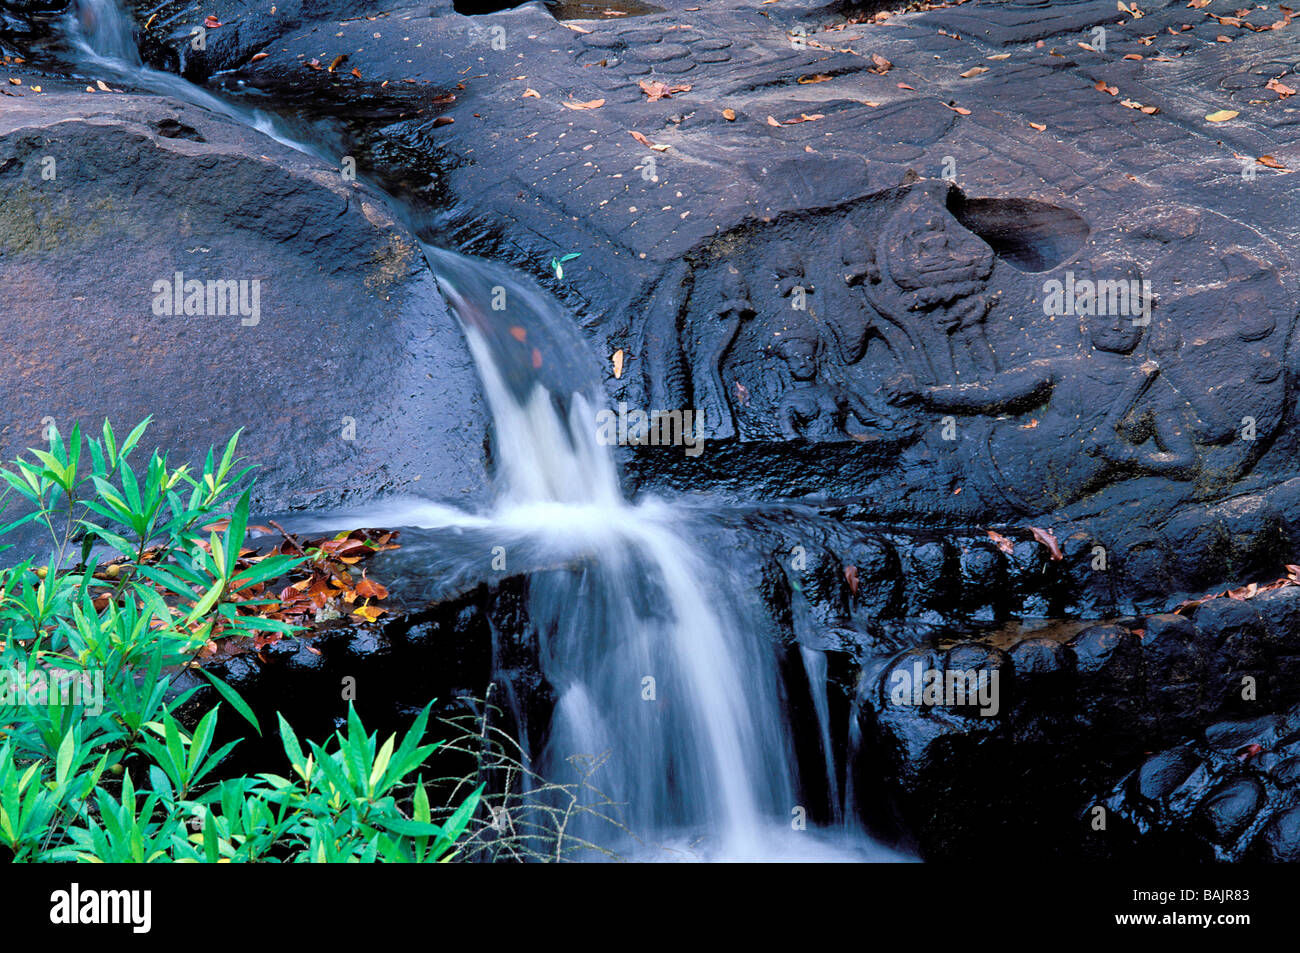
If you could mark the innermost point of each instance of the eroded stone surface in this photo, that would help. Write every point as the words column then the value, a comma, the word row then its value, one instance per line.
column 349, row 378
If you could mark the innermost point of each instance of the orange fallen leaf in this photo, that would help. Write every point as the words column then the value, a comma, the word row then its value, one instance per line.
column 617, row 361
column 369, row 589
column 959, row 110
column 518, row 333
column 531, row 93
column 1004, row 544
column 258, row 56
column 905, row 86
column 337, row 62
column 589, row 104
column 1041, row 127
column 881, row 65
column 973, row 71
column 729, row 115
column 771, row 121
column 1271, row 163
column 656, row 90
column 851, row 575
column 645, row 142
column 212, row 23
column 814, row 78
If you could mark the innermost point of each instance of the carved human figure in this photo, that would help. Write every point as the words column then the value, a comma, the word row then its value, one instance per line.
column 790, row 271
column 819, row 410
column 926, row 276
column 1087, row 422
column 710, row 343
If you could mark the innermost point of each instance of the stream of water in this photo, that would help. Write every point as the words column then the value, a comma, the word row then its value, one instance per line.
column 643, row 646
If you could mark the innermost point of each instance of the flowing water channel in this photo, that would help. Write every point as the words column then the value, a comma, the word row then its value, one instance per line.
column 645, row 646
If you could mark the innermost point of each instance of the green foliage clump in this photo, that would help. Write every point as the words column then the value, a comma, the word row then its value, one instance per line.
column 95, row 764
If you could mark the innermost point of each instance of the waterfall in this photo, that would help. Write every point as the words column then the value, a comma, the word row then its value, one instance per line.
column 643, row 645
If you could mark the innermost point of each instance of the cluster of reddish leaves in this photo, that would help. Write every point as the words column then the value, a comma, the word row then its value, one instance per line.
column 1248, row 591
column 325, row 586
column 328, row 581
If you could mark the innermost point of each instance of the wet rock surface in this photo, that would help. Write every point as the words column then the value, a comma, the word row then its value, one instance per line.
column 157, row 259
column 1227, row 794
column 991, row 741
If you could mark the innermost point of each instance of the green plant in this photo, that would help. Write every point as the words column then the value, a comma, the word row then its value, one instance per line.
column 95, row 764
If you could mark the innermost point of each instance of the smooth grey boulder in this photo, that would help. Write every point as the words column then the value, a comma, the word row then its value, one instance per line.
column 335, row 353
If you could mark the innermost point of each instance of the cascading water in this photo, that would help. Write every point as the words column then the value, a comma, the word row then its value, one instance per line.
column 642, row 645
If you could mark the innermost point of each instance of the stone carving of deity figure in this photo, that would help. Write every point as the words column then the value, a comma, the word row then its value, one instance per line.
column 816, row 409
column 1097, row 416
column 926, row 276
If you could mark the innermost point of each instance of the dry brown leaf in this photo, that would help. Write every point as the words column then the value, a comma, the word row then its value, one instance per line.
column 771, row 121
column 337, row 62
column 1004, row 544
column 531, row 93
column 656, row 90
column 257, row 57
column 959, row 110
column 1222, row 115
column 974, row 71
column 729, row 115
column 882, row 65
column 589, row 104
column 814, row 78
column 617, row 361
column 905, row 86
column 1271, row 163
column 1048, row 539
column 1039, row 126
